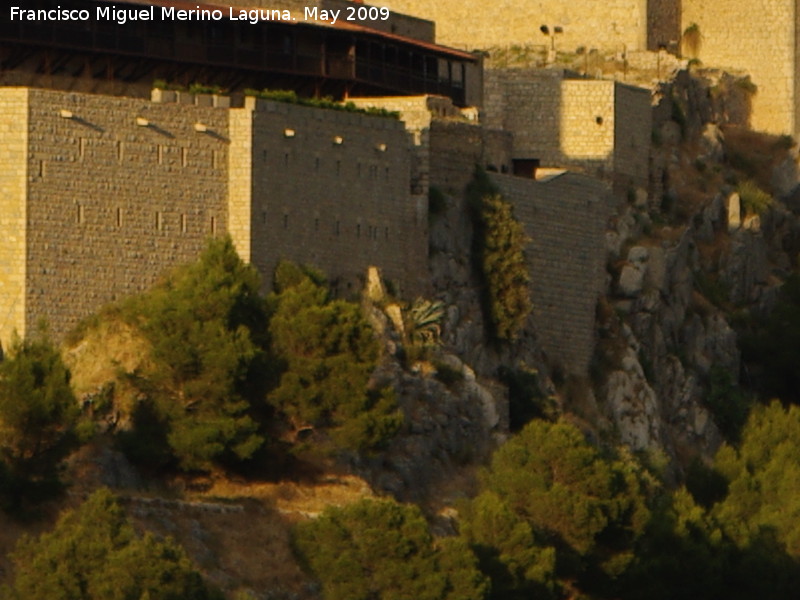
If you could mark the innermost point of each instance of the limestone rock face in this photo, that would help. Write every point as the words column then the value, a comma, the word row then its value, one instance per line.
column 446, row 427
column 633, row 405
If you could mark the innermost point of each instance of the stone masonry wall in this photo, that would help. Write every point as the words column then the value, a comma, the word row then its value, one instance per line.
column 600, row 126
column 447, row 147
column 553, row 119
column 663, row 24
column 13, row 187
column 112, row 203
column 633, row 126
column 610, row 25
column 338, row 206
column 565, row 218
column 457, row 147
column 758, row 37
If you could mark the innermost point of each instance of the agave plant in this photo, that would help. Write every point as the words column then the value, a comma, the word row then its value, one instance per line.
column 422, row 322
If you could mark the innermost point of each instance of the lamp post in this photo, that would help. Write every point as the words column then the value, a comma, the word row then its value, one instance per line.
column 556, row 29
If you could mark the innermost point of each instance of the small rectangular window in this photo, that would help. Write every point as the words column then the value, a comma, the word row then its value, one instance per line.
column 213, row 225
column 119, row 217
column 159, row 223
column 80, row 215
column 41, row 169
column 286, row 159
column 120, row 151
column 184, row 223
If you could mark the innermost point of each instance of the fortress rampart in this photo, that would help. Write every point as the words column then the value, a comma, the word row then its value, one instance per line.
column 326, row 187
column 97, row 203
column 565, row 217
column 101, row 194
column 600, row 126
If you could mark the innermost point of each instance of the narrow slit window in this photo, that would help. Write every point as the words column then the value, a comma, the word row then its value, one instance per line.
column 80, row 214
column 358, row 230
column 338, row 167
column 285, row 221
column 119, row 217
column 316, row 164
column 264, row 217
column 213, row 225
column 286, row 159
column 337, row 228
column 41, row 169
column 184, row 223
column 160, row 154
column 120, row 151
column 82, row 148
column 184, row 157
column 316, row 224
column 159, row 220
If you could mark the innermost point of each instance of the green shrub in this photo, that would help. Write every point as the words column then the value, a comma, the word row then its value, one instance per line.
column 206, row 327
column 727, row 403
column 94, row 553
column 382, row 549
column 498, row 252
column 581, row 502
column 327, row 352
column 291, row 97
column 519, row 565
column 38, row 414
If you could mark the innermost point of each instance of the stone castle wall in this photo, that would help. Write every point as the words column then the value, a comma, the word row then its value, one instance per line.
column 759, row 37
column 663, row 24
column 13, row 207
column 599, row 126
column 633, row 131
column 111, row 203
column 564, row 217
column 339, row 206
column 610, row 25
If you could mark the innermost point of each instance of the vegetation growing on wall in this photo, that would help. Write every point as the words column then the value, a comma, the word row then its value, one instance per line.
column 499, row 256
column 291, row 97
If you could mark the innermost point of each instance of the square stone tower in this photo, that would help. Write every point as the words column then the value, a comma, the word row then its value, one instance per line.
column 760, row 37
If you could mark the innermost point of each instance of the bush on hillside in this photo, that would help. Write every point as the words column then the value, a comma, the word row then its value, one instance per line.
column 382, row 549
column 206, row 327
column 38, row 414
column 327, row 352
column 93, row 552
